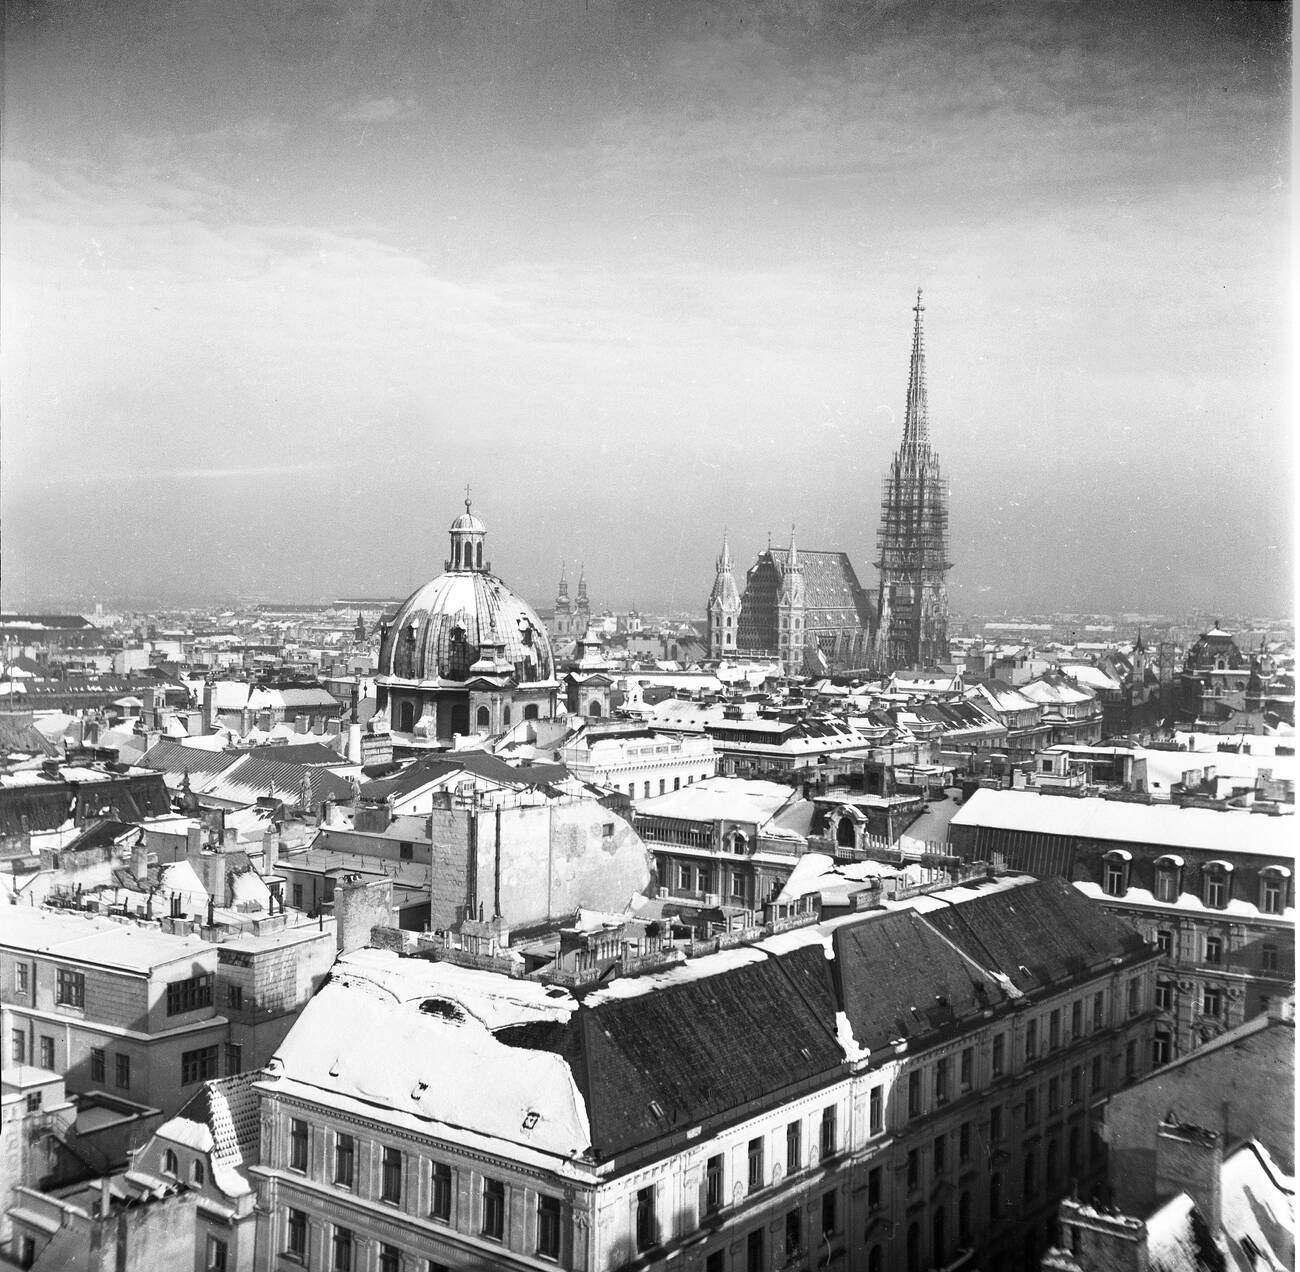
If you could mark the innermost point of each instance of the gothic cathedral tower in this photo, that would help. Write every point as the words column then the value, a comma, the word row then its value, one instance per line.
column 790, row 612
column 912, row 614
column 724, row 607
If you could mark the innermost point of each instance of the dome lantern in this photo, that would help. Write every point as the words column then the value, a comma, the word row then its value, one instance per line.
column 467, row 535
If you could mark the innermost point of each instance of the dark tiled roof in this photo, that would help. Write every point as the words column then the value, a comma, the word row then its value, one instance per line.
column 669, row 1059
column 1041, row 932
column 900, row 979
column 830, row 582
column 299, row 753
column 480, row 763
column 99, row 835
column 18, row 735
column 168, row 755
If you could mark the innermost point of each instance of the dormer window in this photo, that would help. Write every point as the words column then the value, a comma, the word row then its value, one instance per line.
column 1273, row 889
column 1115, row 868
column 1216, row 891
column 1169, row 878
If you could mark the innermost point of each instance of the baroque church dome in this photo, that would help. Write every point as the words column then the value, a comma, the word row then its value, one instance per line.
column 466, row 623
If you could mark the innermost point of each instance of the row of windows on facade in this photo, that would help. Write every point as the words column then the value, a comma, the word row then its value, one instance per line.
column 192, row 994
column 1215, row 948
column 699, row 879
column 196, row 1066
column 1216, row 882
column 406, row 716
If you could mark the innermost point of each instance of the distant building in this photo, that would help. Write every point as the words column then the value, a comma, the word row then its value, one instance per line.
column 644, row 762
column 464, row 654
column 912, row 615
column 570, row 619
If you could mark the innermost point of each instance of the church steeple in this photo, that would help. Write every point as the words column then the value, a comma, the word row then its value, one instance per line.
column 724, row 606
column 916, row 421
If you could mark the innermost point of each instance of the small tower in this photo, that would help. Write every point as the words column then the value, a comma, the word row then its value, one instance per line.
column 723, row 606
column 582, row 607
column 790, row 611
column 562, row 624
column 467, row 535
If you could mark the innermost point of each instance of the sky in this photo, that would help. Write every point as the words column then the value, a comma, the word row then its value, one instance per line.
column 281, row 279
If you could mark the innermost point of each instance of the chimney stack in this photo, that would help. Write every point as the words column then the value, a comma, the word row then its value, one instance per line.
column 1190, row 1159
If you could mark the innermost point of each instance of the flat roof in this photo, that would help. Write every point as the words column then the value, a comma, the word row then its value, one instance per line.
column 85, row 938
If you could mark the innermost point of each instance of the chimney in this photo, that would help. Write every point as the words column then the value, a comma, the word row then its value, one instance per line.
column 212, row 870
column 1190, row 1159
column 354, row 744
column 270, row 851
column 106, row 1196
column 193, row 840
column 301, row 723
column 1094, row 1241
column 359, row 906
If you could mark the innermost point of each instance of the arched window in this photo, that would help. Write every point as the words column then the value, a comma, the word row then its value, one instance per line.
column 1169, row 872
column 406, row 718
column 1273, row 888
column 846, row 834
column 170, row 1165
column 505, row 714
column 483, row 718
column 460, row 718
column 478, row 555
column 530, row 711
column 1217, row 884
column 739, row 842
column 875, row 1260
column 914, row 1248
column 594, row 708
column 1115, row 866
column 197, row 1173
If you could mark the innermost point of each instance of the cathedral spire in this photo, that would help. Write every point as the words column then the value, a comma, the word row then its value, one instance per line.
column 916, row 423
column 564, row 580
column 724, row 561
column 792, row 562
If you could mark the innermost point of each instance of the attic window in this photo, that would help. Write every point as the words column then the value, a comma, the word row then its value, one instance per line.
column 530, row 1119
column 442, row 1007
column 418, row 1090
column 656, row 1108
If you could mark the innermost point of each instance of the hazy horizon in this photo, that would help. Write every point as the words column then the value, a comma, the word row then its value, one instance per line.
column 279, row 280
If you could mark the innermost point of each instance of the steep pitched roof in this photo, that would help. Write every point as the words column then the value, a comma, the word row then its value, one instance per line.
column 830, row 583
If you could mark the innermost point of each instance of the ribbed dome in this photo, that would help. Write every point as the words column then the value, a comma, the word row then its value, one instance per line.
column 468, row 521
column 443, row 630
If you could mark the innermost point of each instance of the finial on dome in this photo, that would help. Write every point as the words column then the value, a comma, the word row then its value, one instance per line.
column 467, row 496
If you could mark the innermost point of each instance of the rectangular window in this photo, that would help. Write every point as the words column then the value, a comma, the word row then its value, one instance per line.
column 390, row 1259
column 706, row 878
column 1054, row 1030
column 189, row 995
column 873, row 1188
column 1031, row 1039
column 1053, row 1095
column 440, row 1204
column 296, row 1234
column 494, row 1209
column 70, row 988
column 940, row 1156
column 830, row 1140
column 793, row 1147
column 966, row 1068
column 716, row 1262
column 995, row 1123
column 20, row 978
column 876, row 1110
column 297, row 896
column 1031, row 1107
column 297, row 1144
column 999, row 1055
column 217, row 1255
column 1114, row 879
column 1130, row 1060
column 1164, row 943
column 1098, row 1074
column 345, row 1160
column 913, row 1093
column 234, row 1058
column 1134, row 996
column 1076, row 1018
column 1164, row 995
column 405, row 850
column 964, row 1140
column 715, row 1182
column 122, row 1072
column 19, row 1048
column 235, row 997
column 830, row 1217
column 755, row 1164
column 754, row 1260
column 198, row 1065
column 1273, row 895
column 683, row 878
column 1166, row 885
column 47, row 1052
column 1214, row 949
column 1216, row 891
column 1268, row 959
column 1211, row 1001
column 1099, row 1011
column 662, row 786
column 941, row 1081
column 549, row 1226
column 1076, row 1084
column 1162, row 1048
column 342, row 1250
column 793, row 1234
column 391, row 1183
column 98, row 1064
column 647, row 1228
column 913, row 1170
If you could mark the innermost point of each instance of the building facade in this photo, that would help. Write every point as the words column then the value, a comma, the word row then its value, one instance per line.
column 912, row 615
